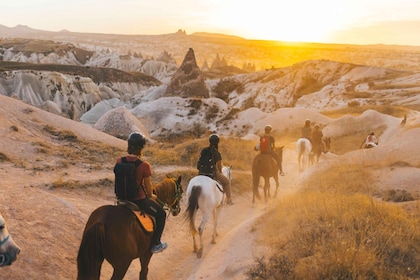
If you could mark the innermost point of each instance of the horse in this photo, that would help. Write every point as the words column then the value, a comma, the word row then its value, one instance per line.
column 265, row 166
column 113, row 233
column 304, row 148
column 8, row 248
column 322, row 147
column 204, row 194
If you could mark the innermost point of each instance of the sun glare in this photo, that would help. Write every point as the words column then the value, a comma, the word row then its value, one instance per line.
column 299, row 20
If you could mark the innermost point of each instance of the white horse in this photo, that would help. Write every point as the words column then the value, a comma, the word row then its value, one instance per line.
column 8, row 248
column 204, row 194
column 304, row 148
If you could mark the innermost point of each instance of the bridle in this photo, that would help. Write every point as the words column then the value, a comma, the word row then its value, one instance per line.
column 5, row 258
column 174, row 206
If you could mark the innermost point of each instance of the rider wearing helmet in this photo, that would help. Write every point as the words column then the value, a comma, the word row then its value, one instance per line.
column 317, row 138
column 216, row 160
column 307, row 131
column 145, row 199
column 271, row 147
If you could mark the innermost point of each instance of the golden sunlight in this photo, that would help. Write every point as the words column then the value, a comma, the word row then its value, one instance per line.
column 301, row 20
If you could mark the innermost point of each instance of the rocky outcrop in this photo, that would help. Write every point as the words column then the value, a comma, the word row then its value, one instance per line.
column 188, row 81
column 119, row 122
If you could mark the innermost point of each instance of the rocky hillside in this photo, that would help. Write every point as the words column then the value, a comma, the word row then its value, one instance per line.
column 84, row 81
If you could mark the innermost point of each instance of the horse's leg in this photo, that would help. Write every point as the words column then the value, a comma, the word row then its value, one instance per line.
column 276, row 179
column 120, row 269
column 144, row 262
column 300, row 161
column 255, row 184
column 266, row 188
column 215, row 219
column 206, row 217
column 194, row 233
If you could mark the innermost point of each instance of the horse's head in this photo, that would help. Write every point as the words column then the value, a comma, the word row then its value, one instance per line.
column 169, row 194
column 8, row 248
column 327, row 141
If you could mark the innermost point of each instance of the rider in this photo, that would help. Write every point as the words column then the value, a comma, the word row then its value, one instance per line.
column 216, row 159
column 145, row 199
column 271, row 147
column 307, row 131
column 371, row 140
column 316, row 137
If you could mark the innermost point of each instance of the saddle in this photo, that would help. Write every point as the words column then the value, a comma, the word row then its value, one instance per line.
column 146, row 222
column 218, row 183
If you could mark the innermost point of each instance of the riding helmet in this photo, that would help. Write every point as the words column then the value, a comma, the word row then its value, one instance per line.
column 136, row 140
column 214, row 139
column 268, row 128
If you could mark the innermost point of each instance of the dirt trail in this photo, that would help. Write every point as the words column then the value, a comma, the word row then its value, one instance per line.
column 236, row 247
column 47, row 223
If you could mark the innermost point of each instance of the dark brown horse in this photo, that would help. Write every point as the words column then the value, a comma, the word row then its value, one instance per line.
column 265, row 166
column 112, row 233
column 319, row 148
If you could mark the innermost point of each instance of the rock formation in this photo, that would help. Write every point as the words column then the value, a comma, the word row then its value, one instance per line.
column 188, row 81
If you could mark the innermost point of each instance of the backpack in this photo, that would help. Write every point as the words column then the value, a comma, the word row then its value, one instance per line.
column 206, row 164
column 125, row 186
column 265, row 144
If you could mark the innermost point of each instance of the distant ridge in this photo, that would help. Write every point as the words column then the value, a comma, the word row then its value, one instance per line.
column 216, row 35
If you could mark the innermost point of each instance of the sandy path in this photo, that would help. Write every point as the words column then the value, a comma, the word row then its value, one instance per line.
column 236, row 248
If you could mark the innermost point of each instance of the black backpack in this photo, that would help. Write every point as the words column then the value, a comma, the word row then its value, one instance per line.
column 125, row 179
column 206, row 164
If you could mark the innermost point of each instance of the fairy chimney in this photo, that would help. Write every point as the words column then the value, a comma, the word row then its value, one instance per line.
column 188, row 81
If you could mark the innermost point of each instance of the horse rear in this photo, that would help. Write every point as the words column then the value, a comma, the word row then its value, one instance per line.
column 8, row 248
column 265, row 166
column 304, row 148
column 320, row 148
column 206, row 195
column 112, row 233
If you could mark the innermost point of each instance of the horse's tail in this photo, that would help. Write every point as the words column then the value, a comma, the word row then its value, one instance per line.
column 90, row 255
column 193, row 206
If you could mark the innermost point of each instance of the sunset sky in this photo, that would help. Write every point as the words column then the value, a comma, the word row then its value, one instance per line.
column 329, row 21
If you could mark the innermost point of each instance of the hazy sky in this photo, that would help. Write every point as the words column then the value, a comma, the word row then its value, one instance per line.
column 331, row 21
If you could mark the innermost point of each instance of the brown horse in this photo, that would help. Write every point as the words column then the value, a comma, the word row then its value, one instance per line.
column 320, row 148
column 265, row 166
column 112, row 233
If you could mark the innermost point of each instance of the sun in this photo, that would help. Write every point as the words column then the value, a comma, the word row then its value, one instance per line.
column 298, row 21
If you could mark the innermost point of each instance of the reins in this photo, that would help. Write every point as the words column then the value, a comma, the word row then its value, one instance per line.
column 5, row 240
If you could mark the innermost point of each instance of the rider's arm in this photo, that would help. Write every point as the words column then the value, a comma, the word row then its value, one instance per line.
column 148, row 187
column 219, row 166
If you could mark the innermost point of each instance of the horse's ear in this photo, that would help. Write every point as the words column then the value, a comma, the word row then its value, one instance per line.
column 167, row 176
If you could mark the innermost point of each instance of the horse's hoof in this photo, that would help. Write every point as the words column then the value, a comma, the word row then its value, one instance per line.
column 199, row 253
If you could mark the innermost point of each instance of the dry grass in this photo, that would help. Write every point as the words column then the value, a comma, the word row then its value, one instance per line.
column 184, row 154
column 334, row 229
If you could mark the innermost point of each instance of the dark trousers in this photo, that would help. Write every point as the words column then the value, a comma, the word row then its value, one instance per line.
column 152, row 208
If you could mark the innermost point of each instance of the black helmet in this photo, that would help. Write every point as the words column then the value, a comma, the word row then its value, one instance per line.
column 136, row 140
column 214, row 139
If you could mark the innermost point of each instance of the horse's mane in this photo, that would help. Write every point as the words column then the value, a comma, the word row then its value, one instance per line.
column 165, row 188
